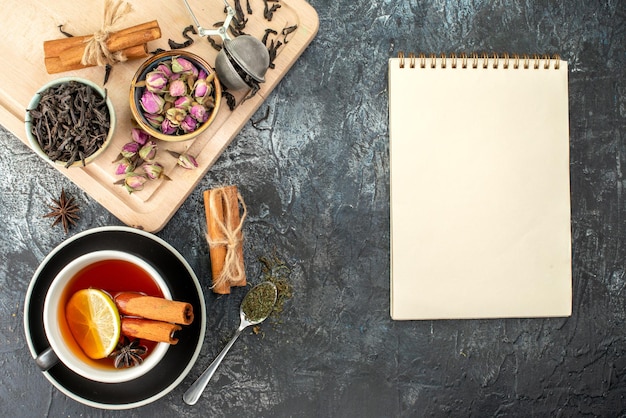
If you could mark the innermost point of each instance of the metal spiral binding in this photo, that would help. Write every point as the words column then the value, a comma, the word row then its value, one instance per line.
column 475, row 60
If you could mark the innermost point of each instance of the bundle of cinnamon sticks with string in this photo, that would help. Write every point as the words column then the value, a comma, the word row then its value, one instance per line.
column 152, row 318
column 225, row 237
column 106, row 46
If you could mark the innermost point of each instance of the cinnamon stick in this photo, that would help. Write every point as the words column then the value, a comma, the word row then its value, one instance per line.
column 68, row 49
column 74, row 55
column 222, row 212
column 150, row 307
column 117, row 41
column 216, row 253
column 58, row 65
column 148, row 329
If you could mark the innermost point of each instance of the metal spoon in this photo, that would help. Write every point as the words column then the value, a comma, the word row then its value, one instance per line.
column 195, row 390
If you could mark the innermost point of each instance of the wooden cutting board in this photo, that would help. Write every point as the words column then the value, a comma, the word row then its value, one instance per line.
column 26, row 28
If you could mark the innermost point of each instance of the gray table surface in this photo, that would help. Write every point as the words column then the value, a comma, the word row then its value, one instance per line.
column 315, row 177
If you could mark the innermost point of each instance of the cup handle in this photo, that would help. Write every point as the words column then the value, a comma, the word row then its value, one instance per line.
column 46, row 359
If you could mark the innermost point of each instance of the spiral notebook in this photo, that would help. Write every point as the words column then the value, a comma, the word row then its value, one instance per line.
column 480, row 196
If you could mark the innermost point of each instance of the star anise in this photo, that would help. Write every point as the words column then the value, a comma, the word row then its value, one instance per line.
column 128, row 354
column 64, row 211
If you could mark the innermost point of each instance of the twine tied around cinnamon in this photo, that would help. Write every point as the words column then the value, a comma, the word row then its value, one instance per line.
column 96, row 50
column 233, row 271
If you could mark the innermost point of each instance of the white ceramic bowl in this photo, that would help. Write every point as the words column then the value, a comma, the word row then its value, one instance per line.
column 82, row 365
column 34, row 102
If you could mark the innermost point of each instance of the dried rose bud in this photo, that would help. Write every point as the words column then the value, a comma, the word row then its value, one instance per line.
column 200, row 88
column 154, row 120
column 189, row 124
column 184, row 160
column 154, row 171
column 190, row 81
column 202, row 74
column 148, row 151
column 181, row 65
column 175, row 116
column 139, row 135
column 199, row 113
column 134, row 182
column 202, row 91
column 125, row 166
column 183, row 102
column 187, row 161
column 152, row 102
column 167, row 127
column 130, row 149
column 177, row 88
column 156, row 81
column 164, row 68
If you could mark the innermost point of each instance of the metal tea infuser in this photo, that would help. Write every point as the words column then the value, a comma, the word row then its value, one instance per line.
column 244, row 52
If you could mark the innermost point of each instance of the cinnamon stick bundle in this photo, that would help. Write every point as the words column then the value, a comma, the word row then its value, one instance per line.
column 148, row 329
column 225, row 237
column 67, row 53
column 150, row 307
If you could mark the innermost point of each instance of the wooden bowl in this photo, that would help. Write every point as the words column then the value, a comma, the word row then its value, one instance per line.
column 137, row 87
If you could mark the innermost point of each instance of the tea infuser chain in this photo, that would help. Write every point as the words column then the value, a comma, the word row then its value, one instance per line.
column 243, row 60
column 222, row 31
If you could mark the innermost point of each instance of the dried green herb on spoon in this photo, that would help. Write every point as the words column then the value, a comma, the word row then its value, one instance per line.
column 259, row 302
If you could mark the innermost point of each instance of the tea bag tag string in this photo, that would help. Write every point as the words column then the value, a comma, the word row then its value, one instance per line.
column 222, row 31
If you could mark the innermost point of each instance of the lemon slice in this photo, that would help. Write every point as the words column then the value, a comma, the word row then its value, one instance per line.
column 94, row 322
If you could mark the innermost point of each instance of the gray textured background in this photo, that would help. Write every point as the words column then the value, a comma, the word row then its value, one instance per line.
column 315, row 180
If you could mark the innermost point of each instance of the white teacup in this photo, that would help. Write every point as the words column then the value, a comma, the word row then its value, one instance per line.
column 54, row 305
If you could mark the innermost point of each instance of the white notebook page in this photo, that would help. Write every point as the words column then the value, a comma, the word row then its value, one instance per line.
column 480, row 197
